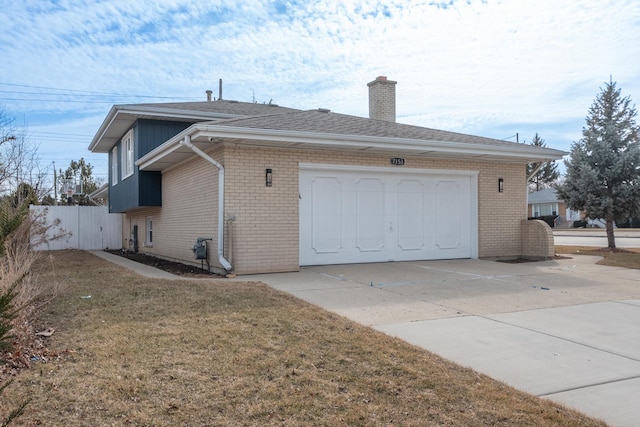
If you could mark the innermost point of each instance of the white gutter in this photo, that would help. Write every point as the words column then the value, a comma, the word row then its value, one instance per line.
column 131, row 113
column 355, row 142
column 378, row 142
column 187, row 143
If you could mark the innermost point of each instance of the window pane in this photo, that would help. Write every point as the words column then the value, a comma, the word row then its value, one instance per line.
column 114, row 166
column 127, row 154
column 149, row 229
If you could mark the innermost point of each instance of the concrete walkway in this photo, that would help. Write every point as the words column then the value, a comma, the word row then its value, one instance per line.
column 566, row 330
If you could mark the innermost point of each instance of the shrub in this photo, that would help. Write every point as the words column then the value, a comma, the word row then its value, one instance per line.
column 549, row 219
column 18, row 292
column 630, row 223
column 7, row 314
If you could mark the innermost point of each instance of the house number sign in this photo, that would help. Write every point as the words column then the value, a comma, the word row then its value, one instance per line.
column 397, row 161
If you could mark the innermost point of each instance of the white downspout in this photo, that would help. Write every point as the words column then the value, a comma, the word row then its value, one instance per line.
column 187, row 143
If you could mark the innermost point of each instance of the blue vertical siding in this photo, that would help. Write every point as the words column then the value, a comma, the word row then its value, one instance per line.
column 143, row 188
column 151, row 133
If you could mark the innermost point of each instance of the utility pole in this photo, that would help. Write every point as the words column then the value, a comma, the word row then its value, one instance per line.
column 55, row 185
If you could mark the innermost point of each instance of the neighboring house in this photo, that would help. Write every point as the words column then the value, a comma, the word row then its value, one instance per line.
column 546, row 203
column 277, row 188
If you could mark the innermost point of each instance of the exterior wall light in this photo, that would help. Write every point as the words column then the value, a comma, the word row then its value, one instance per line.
column 269, row 177
column 500, row 185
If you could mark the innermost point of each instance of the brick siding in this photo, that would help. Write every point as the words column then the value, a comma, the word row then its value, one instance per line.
column 265, row 229
column 537, row 239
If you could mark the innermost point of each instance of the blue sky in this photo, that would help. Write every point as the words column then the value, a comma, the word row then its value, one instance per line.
column 489, row 68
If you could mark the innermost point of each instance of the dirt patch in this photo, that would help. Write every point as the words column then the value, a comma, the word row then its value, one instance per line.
column 613, row 250
column 177, row 268
column 615, row 257
column 522, row 260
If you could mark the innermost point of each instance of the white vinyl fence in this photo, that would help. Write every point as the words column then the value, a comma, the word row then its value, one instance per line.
column 84, row 227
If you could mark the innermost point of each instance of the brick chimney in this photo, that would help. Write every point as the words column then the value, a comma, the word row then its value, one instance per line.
column 382, row 99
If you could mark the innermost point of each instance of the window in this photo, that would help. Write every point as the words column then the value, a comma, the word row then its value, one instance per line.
column 114, row 165
column 127, row 154
column 545, row 209
column 149, row 232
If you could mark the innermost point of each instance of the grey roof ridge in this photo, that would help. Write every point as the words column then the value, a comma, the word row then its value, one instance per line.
column 245, row 118
column 239, row 119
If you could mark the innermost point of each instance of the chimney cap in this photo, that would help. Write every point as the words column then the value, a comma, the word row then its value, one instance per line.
column 382, row 80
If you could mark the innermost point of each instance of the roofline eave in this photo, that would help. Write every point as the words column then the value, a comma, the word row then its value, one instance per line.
column 401, row 145
column 103, row 128
column 137, row 112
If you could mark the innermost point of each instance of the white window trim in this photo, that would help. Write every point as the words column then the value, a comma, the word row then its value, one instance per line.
column 114, row 165
column 148, row 233
column 545, row 209
column 127, row 154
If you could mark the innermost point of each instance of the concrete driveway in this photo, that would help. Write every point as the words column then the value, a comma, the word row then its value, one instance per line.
column 567, row 330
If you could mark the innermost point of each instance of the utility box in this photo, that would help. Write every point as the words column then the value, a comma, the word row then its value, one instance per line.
column 200, row 248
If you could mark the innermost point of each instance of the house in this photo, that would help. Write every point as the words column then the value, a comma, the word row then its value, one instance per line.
column 269, row 189
column 545, row 202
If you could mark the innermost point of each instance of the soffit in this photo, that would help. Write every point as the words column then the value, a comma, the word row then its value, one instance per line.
column 206, row 137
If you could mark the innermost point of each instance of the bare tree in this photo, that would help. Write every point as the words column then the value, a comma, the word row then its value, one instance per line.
column 19, row 162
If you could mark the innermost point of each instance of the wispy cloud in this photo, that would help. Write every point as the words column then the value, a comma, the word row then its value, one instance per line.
column 479, row 67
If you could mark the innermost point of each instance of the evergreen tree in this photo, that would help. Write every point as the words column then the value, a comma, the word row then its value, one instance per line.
column 603, row 172
column 547, row 175
column 81, row 172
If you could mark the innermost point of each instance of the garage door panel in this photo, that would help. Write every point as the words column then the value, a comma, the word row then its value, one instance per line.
column 448, row 214
column 326, row 205
column 370, row 215
column 410, row 214
column 362, row 216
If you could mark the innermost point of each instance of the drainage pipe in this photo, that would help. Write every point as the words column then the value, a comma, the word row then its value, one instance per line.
column 223, row 261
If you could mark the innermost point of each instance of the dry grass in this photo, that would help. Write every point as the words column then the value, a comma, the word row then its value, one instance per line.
column 30, row 295
column 144, row 352
column 627, row 258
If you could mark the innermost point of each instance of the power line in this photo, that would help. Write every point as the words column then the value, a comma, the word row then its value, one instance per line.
column 91, row 92
column 62, row 133
column 19, row 92
column 57, row 100
column 63, row 139
column 61, row 136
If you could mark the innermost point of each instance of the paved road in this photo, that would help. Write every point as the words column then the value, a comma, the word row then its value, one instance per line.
column 624, row 239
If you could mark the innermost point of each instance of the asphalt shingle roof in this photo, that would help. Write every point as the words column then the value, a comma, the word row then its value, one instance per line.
column 546, row 195
column 334, row 123
column 221, row 106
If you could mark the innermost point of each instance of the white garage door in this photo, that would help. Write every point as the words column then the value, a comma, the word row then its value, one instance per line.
column 361, row 214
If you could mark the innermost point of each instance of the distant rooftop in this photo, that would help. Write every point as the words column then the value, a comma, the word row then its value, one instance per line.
column 546, row 195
